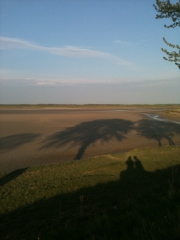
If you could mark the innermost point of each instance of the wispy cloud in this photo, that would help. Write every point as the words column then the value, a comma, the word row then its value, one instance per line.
column 66, row 51
column 124, row 42
column 129, row 43
column 124, row 83
column 50, row 81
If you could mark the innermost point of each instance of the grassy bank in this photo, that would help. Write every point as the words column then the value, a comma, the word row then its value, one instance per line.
column 171, row 113
column 134, row 195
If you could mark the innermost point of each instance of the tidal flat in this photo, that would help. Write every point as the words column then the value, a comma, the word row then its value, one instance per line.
column 31, row 135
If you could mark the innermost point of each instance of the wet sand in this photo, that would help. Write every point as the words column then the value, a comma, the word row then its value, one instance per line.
column 37, row 137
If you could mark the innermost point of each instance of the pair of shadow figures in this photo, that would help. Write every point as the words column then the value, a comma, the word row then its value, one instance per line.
column 134, row 169
column 88, row 133
column 135, row 173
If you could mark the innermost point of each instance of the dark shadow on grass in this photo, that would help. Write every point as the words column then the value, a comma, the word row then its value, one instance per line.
column 87, row 133
column 11, row 176
column 140, row 205
column 157, row 130
column 14, row 141
column 135, row 172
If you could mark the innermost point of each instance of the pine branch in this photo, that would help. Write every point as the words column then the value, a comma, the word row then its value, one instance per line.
column 172, row 56
column 168, row 10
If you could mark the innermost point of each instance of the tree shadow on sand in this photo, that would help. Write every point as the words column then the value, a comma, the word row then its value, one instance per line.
column 13, row 141
column 87, row 133
column 158, row 130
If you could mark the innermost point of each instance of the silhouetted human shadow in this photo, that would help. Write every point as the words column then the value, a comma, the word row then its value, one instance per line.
column 134, row 172
column 130, row 164
column 16, row 140
column 9, row 177
column 87, row 133
column 158, row 130
column 138, row 165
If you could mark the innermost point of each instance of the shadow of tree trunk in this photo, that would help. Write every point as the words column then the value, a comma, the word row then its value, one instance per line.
column 88, row 133
column 157, row 130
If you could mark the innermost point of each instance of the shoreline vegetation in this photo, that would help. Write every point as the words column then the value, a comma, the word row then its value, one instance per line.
column 44, row 106
column 133, row 195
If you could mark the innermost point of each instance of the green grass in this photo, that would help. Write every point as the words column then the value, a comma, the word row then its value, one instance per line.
column 173, row 111
column 134, row 195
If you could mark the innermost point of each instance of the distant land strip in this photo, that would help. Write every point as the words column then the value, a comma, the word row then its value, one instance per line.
column 30, row 106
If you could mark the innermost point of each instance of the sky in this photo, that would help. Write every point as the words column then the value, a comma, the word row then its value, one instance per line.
column 85, row 52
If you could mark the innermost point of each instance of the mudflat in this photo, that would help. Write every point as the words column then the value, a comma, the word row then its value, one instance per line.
column 46, row 136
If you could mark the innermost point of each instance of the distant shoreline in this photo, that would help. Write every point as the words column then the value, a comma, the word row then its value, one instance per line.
column 84, row 106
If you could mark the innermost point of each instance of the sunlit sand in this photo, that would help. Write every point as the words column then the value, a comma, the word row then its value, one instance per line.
column 37, row 137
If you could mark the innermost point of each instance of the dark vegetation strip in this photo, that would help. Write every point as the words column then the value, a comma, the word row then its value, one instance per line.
column 21, row 106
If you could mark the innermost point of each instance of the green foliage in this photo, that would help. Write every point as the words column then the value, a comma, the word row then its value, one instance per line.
column 166, row 9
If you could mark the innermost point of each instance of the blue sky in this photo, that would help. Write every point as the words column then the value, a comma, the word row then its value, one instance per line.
column 85, row 51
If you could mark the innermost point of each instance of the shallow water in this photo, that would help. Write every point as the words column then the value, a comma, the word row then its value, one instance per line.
column 156, row 117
